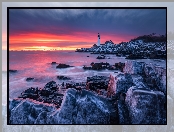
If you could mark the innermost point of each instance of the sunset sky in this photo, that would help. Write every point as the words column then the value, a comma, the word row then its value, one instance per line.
column 68, row 29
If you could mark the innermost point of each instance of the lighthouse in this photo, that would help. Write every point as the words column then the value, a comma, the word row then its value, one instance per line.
column 98, row 43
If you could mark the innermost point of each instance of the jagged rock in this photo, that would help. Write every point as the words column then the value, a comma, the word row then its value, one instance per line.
column 134, row 67
column 100, row 66
column 49, row 94
column 100, row 57
column 31, row 93
column 63, row 78
column 77, row 108
column 50, row 85
column 27, row 112
column 63, row 66
column 76, row 85
column 53, row 63
column 123, row 113
column 134, row 56
column 161, row 78
column 85, row 108
column 123, row 82
column 29, row 79
column 146, row 106
column 87, row 67
column 155, row 77
column 97, row 82
column 97, row 66
column 138, row 81
column 120, row 66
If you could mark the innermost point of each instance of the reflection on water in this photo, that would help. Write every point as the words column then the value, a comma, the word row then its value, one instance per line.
column 37, row 64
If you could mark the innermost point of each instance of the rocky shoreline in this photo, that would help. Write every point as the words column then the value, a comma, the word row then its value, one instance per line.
column 142, row 47
column 136, row 94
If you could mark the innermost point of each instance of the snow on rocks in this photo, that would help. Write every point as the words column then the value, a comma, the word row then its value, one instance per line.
column 133, row 67
column 146, row 106
column 84, row 108
column 123, row 82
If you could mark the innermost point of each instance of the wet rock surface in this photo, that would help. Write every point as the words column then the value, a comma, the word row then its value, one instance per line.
column 134, row 96
column 29, row 79
column 53, row 63
column 83, row 107
column 63, row 78
column 146, row 106
column 80, row 85
column 63, row 66
column 105, row 65
column 49, row 94
column 97, row 82
column 101, row 57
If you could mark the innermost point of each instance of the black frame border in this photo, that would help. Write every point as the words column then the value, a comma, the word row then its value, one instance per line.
column 8, row 8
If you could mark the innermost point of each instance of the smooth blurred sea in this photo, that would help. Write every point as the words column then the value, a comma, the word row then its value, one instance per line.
column 37, row 64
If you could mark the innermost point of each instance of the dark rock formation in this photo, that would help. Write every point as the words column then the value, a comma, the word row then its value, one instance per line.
column 97, row 82
column 49, row 94
column 134, row 56
column 29, row 79
column 77, row 108
column 146, row 106
column 63, row 78
column 12, row 71
column 76, row 85
column 28, row 112
column 154, row 76
column 123, row 82
column 119, row 66
column 53, row 63
column 138, row 97
column 123, row 113
column 86, row 108
column 101, row 57
column 32, row 93
column 134, row 67
column 63, row 66
column 99, row 66
column 87, row 67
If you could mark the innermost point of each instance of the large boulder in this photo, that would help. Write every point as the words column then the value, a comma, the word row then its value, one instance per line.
column 63, row 78
column 63, row 66
column 50, row 85
column 146, row 106
column 97, row 82
column 27, row 112
column 85, row 108
column 123, row 113
column 123, row 82
column 155, row 76
column 134, row 67
column 29, row 79
column 161, row 78
column 138, row 81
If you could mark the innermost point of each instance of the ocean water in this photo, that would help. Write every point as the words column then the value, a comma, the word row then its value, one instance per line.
column 37, row 64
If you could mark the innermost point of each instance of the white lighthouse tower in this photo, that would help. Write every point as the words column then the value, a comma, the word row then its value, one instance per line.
column 98, row 43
